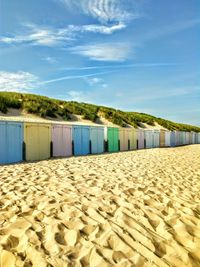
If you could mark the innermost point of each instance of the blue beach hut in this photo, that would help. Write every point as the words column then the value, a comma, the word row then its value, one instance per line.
column 81, row 140
column 156, row 138
column 11, row 142
column 149, row 137
column 173, row 138
column 97, row 139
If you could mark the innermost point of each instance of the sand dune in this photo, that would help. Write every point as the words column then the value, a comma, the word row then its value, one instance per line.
column 139, row 208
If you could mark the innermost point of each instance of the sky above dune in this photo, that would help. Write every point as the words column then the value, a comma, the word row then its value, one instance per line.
column 135, row 55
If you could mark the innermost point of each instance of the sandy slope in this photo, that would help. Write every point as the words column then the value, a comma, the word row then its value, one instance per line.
column 19, row 115
column 137, row 208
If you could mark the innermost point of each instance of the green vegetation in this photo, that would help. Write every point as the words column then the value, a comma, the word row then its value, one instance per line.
column 47, row 107
column 9, row 100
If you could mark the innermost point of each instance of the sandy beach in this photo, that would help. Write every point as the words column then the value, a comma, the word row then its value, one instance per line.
column 139, row 208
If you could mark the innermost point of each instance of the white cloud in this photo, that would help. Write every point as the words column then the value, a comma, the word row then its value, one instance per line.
column 93, row 81
column 74, row 77
column 45, row 36
column 104, row 85
column 106, row 11
column 95, row 28
column 104, row 51
column 39, row 35
column 17, row 81
column 50, row 59
column 145, row 65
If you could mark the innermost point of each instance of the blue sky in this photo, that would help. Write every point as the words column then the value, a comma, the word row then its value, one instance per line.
column 135, row 55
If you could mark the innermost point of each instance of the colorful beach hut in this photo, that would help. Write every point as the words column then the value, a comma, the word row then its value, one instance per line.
column 132, row 139
column 196, row 138
column 113, row 139
column 184, row 138
column 156, row 138
column 124, row 139
column 61, row 140
column 162, row 138
column 177, row 138
column 11, row 142
column 173, row 138
column 149, row 137
column 187, row 138
column 140, row 139
column 167, row 138
column 105, row 133
column 81, row 140
column 37, row 138
column 97, row 139
column 198, row 142
column 192, row 137
column 181, row 138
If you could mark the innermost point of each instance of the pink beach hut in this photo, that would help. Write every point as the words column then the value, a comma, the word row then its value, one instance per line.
column 61, row 140
column 140, row 139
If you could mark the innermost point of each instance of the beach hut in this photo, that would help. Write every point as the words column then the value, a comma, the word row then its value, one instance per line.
column 162, row 138
column 81, row 140
column 97, row 139
column 187, row 138
column 140, row 139
column 11, row 142
column 192, row 138
column 181, row 138
column 105, row 139
column 198, row 138
column 61, row 140
column 113, row 139
column 105, row 133
column 156, row 138
column 149, row 137
column 132, row 136
column 177, row 138
column 167, row 138
column 37, row 138
column 124, row 139
column 173, row 138
column 184, row 138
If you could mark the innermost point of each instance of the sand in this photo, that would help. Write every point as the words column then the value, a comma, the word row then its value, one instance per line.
column 22, row 116
column 139, row 208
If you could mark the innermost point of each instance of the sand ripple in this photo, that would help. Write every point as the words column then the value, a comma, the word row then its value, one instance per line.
column 138, row 208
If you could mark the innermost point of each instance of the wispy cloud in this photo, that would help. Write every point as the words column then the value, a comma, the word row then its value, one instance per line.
column 104, row 51
column 46, row 36
column 106, row 11
column 136, row 65
column 17, row 81
column 95, row 81
column 95, row 28
column 39, row 35
column 49, row 59
column 75, row 77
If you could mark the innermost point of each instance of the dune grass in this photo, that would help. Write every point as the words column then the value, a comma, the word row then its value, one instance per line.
column 47, row 107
